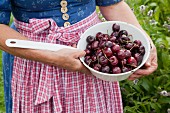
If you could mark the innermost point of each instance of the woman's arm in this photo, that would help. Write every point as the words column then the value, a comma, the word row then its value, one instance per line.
column 65, row 58
column 122, row 12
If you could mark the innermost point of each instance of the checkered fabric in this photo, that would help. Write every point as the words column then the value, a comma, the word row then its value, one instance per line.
column 40, row 88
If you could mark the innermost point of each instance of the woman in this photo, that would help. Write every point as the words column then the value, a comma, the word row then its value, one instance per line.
column 52, row 82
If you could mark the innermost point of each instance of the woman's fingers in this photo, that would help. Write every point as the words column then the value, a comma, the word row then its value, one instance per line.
column 149, row 67
column 134, row 76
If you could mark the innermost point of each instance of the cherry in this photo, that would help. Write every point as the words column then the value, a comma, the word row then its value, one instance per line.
column 108, row 44
column 125, row 69
column 102, row 44
column 115, row 48
column 88, row 52
column 105, row 37
column 132, row 62
column 105, row 69
column 107, row 51
column 88, row 60
column 116, row 70
column 112, row 38
column 123, row 32
column 113, row 60
column 123, row 40
column 90, row 39
column 123, row 62
column 99, row 53
column 129, row 46
column 121, row 54
column 94, row 58
column 115, row 34
column 95, row 45
column 99, row 35
column 142, row 50
column 116, row 27
column 127, row 53
column 138, row 42
column 138, row 57
column 88, row 46
column 97, row 67
column 103, row 60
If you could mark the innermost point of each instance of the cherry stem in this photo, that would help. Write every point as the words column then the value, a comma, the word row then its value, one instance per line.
column 89, row 62
column 105, row 56
column 130, row 36
column 133, row 47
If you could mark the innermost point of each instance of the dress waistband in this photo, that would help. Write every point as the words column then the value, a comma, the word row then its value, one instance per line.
column 65, row 34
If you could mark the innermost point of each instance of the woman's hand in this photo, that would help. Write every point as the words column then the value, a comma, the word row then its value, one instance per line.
column 150, row 66
column 69, row 59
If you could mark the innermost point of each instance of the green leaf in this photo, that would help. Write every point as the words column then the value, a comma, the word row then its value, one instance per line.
column 157, row 13
column 145, row 98
column 146, row 84
column 156, row 107
column 164, row 100
column 153, row 4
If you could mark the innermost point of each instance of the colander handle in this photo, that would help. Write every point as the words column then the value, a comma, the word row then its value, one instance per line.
column 35, row 45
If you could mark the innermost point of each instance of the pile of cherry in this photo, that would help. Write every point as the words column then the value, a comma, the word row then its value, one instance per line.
column 114, row 53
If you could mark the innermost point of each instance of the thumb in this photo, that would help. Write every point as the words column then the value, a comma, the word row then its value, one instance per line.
column 148, row 62
column 80, row 54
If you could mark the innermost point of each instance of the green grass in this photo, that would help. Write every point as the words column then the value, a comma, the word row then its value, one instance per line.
column 2, row 106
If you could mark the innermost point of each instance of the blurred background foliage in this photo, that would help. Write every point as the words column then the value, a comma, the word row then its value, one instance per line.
column 150, row 94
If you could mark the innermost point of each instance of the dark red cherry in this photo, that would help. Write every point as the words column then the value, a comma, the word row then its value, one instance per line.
column 123, row 62
column 138, row 57
column 123, row 32
column 138, row 42
column 95, row 45
column 103, row 60
column 112, row 38
column 105, row 69
column 88, row 60
column 99, row 35
column 116, row 70
column 107, row 51
column 108, row 44
column 121, row 54
column 105, row 37
column 113, row 60
column 115, row 34
column 102, row 44
column 88, row 52
column 97, row 67
column 99, row 53
column 88, row 46
column 125, row 69
column 115, row 48
column 116, row 27
column 132, row 62
column 129, row 46
column 127, row 53
column 94, row 58
column 90, row 39
column 142, row 50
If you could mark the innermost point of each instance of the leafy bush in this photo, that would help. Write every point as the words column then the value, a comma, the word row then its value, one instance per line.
column 151, row 94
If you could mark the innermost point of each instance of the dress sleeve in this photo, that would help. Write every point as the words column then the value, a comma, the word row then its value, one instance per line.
column 106, row 2
column 5, row 11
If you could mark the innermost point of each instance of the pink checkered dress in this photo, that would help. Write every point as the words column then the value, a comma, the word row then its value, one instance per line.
column 40, row 88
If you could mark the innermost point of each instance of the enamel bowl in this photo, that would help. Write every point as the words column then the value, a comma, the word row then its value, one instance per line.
column 106, row 27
